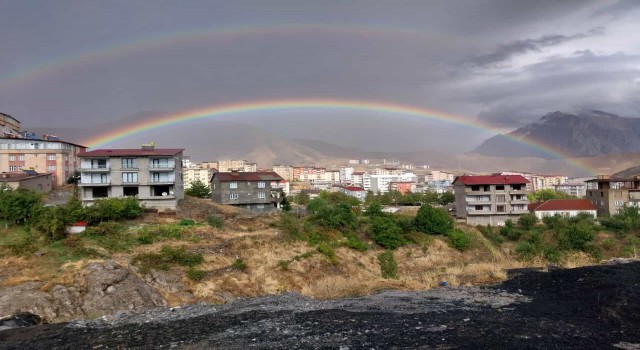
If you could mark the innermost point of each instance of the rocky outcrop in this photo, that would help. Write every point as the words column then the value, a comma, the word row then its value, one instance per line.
column 106, row 288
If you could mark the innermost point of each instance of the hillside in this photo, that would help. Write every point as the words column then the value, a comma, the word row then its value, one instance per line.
column 589, row 134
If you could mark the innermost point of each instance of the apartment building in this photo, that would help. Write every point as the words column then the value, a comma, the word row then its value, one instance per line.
column 573, row 189
column 284, row 171
column 490, row 200
column 381, row 183
column 151, row 174
column 610, row 195
column 403, row 187
column 196, row 174
column 9, row 125
column 354, row 191
column 254, row 191
column 58, row 158
column 548, row 182
column 361, row 179
column 388, row 171
column 346, row 174
column 436, row 175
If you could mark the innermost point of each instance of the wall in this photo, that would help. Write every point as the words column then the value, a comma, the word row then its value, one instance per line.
column 570, row 213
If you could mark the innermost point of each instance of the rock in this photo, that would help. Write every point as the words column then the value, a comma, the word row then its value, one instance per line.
column 23, row 319
column 67, row 301
column 27, row 297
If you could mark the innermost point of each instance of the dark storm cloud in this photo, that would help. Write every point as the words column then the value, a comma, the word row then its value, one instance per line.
column 505, row 52
column 618, row 9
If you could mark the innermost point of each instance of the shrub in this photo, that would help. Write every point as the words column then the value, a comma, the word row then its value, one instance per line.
column 166, row 257
column 354, row 242
column 388, row 265
column 608, row 243
column 109, row 209
column 52, row 222
column 239, row 265
column 526, row 250
column 215, row 221
column 581, row 234
column 284, row 264
column 385, row 232
column 106, row 228
column 432, row 220
column 459, row 239
column 328, row 252
column 373, row 209
column 405, row 223
column 23, row 244
column 195, row 274
column 155, row 233
column 198, row 189
column 527, row 221
column 187, row 222
column 332, row 213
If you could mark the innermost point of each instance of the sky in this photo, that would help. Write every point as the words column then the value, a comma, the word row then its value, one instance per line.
column 89, row 64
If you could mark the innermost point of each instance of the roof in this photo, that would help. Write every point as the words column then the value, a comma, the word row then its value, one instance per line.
column 358, row 173
column 354, row 188
column 131, row 152
column 247, row 176
column 492, row 179
column 562, row 204
column 18, row 176
column 39, row 139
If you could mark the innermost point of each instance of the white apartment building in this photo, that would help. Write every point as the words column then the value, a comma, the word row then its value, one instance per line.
column 361, row 179
column 389, row 171
column 152, row 175
column 381, row 183
column 437, row 175
column 346, row 174
column 285, row 171
column 192, row 174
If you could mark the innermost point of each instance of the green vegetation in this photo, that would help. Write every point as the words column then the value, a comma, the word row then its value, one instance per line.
column 328, row 252
column 386, row 232
column 397, row 198
column 196, row 274
column 165, row 258
column 239, row 265
column 546, row 194
column 198, row 189
column 388, row 265
column 459, row 239
column 432, row 220
column 215, row 221
column 527, row 221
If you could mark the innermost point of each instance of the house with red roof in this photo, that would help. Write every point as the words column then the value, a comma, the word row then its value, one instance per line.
column 354, row 191
column 153, row 175
column 258, row 191
column 490, row 199
column 563, row 207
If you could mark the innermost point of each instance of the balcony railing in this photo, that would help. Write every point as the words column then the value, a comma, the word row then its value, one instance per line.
column 94, row 183
column 96, row 168
column 162, row 181
column 162, row 166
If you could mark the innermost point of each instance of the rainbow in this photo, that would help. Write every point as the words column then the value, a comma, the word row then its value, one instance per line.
column 332, row 105
column 115, row 50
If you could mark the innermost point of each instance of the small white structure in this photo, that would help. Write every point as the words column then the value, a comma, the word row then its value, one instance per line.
column 563, row 207
column 77, row 227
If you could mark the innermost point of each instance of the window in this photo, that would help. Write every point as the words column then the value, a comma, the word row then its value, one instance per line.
column 501, row 208
column 51, row 157
column 500, row 198
column 129, row 163
column 100, row 192
column 499, row 187
column 262, row 195
column 475, row 188
column 516, row 187
column 51, row 168
column 161, row 177
column 487, row 188
column 478, row 207
column 160, row 163
column 233, row 184
column 12, row 158
column 261, row 184
column 233, row 196
column 129, row 177
column 601, row 194
column 130, row 191
column 12, row 168
column 21, row 158
column 98, row 163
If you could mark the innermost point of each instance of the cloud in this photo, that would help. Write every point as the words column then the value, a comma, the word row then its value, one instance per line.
column 505, row 52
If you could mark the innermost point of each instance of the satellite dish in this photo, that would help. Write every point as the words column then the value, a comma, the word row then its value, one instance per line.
column 164, row 194
column 171, row 193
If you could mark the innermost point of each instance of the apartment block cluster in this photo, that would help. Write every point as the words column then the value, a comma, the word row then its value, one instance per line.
column 38, row 162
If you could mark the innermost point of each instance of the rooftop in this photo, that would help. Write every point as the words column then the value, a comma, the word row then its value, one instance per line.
column 131, row 152
column 354, row 188
column 27, row 174
column 562, row 204
column 492, row 179
column 247, row 176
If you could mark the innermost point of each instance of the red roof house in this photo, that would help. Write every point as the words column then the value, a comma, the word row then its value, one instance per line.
column 563, row 207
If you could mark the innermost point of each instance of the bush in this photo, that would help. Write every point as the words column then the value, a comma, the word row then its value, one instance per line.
column 215, row 221
column 52, row 222
column 198, row 189
column 527, row 221
column 354, row 242
column 526, row 250
column 155, row 233
column 239, row 265
column 284, row 264
column 433, row 221
column 165, row 258
column 195, row 274
column 459, row 239
column 187, row 222
column 388, row 265
column 333, row 212
column 328, row 252
column 112, row 209
column 405, row 223
column 385, row 232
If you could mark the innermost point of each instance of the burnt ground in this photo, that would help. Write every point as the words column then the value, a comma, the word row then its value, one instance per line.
column 585, row 308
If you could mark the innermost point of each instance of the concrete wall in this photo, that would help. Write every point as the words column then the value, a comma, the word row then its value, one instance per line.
column 493, row 220
column 566, row 213
column 41, row 183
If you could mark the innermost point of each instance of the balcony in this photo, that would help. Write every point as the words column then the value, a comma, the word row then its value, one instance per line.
column 162, row 181
column 96, row 168
column 480, row 212
column 519, row 211
column 96, row 183
column 471, row 201
column 520, row 201
column 161, row 167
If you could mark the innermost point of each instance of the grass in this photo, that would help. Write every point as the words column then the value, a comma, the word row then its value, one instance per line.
column 196, row 274
column 239, row 265
column 328, row 252
column 165, row 258
column 215, row 221
column 388, row 265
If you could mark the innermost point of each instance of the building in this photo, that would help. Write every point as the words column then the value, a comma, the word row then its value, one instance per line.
column 9, row 125
column 548, row 182
column 285, row 171
column 381, row 183
column 255, row 191
column 58, row 158
column 573, row 189
column 151, row 174
column 563, row 207
column 610, row 195
column 436, row 175
column 361, row 179
column 346, row 173
column 354, row 191
column 388, row 171
column 492, row 199
column 403, row 187
column 285, row 186
column 29, row 180
column 192, row 174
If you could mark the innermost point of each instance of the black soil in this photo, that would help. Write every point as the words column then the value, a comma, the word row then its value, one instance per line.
column 585, row 308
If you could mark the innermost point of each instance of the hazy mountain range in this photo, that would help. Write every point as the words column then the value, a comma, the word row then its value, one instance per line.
column 598, row 139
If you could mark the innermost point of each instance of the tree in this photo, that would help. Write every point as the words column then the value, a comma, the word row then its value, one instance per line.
column 302, row 198
column 446, row 198
column 433, row 220
column 527, row 221
column 386, row 232
column 52, row 222
column 546, row 194
column 198, row 189
column 17, row 206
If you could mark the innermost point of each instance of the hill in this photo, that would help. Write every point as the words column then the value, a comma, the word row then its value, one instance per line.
column 589, row 134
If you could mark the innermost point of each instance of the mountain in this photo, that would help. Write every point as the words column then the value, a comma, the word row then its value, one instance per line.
column 589, row 134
